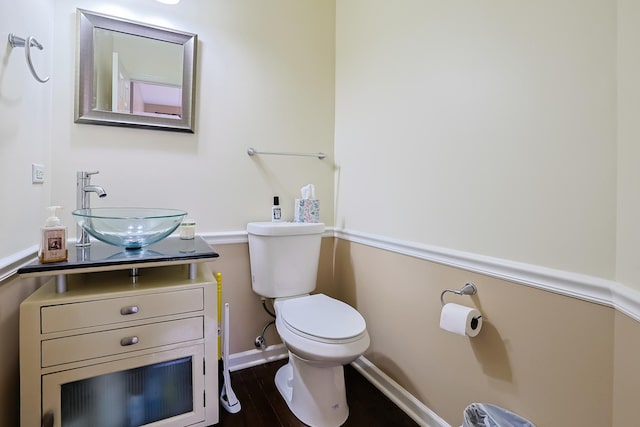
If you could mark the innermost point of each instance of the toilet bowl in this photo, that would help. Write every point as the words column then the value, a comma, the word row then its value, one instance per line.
column 321, row 329
column 322, row 334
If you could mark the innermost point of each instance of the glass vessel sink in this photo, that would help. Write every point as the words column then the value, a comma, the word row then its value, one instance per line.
column 131, row 228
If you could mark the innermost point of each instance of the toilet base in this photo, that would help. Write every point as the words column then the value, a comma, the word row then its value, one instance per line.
column 316, row 395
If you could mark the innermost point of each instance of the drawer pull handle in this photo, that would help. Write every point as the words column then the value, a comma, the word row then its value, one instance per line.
column 128, row 341
column 132, row 309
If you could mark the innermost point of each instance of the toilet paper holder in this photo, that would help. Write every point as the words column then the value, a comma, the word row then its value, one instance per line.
column 467, row 289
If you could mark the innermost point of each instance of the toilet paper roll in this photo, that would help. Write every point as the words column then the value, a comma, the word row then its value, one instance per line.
column 460, row 320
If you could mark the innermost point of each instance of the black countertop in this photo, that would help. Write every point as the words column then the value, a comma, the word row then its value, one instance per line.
column 101, row 256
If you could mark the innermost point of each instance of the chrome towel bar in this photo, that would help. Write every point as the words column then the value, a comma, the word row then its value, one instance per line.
column 252, row 152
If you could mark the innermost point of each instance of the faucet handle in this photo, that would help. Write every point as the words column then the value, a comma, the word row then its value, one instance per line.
column 83, row 174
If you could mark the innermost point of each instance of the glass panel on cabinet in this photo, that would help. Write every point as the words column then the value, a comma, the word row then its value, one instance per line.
column 129, row 398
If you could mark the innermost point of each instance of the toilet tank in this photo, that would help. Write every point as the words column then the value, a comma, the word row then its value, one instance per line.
column 284, row 257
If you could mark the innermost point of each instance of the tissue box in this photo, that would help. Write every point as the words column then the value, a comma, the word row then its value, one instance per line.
column 306, row 210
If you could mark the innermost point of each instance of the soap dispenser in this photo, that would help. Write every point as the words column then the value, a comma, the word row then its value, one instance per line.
column 53, row 247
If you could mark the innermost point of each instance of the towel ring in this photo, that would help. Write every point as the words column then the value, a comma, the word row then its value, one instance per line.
column 30, row 42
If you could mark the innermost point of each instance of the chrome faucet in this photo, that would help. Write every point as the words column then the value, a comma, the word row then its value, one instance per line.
column 83, row 188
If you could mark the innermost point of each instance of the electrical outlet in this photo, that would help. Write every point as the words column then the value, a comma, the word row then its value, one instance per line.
column 37, row 173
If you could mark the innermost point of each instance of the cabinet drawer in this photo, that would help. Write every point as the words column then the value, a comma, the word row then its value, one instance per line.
column 65, row 317
column 88, row 346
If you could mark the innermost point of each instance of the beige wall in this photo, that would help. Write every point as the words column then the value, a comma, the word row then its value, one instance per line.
column 12, row 293
column 265, row 79
column 507, row 131
column 551, row 358
column 626, row 377
column 25, row 136
column 542, row 355
column 484, row 127
column 247, row 317
column 554, row 359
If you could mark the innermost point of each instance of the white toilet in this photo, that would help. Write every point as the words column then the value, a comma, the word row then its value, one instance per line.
column 321, row 333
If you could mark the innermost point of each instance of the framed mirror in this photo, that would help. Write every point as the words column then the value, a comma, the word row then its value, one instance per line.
column 134, row 74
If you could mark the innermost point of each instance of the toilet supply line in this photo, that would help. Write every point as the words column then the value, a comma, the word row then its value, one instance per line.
column 260, row 342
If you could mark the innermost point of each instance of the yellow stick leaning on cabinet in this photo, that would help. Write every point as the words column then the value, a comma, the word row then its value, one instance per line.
column 219, row 280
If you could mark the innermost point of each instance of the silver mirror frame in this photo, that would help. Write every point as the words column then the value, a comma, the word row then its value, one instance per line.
column 84, row 113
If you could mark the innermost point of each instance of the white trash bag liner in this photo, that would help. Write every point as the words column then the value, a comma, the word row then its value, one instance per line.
column 487, row 415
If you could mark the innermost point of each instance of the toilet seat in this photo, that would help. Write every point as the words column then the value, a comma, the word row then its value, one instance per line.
column 322, row 318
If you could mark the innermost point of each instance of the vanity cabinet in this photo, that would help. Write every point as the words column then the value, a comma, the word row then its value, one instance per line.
column 120, row 351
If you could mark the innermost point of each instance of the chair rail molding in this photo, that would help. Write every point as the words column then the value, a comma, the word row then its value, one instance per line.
column 588, row 288
column 10, row 265
column 581, row 286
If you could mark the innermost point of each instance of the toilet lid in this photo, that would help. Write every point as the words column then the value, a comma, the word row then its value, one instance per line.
column 322, row 317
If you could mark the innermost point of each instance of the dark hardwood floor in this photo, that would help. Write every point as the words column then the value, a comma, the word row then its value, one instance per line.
column 262, row 405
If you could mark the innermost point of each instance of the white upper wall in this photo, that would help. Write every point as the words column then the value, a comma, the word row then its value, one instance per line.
column 25, row 125
column 485, row 126
column 265, row 79
column 628, row 239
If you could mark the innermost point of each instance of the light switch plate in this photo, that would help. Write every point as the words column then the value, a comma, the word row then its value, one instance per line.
column 37, row 173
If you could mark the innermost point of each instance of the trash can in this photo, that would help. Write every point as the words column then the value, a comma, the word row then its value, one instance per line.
column 487, row 415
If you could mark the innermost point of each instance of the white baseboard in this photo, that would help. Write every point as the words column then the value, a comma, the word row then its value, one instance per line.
column 398, row 395
column 250, row 358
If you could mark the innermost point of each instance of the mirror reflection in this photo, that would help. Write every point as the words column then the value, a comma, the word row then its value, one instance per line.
column 130, row 83
column 134, row 74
